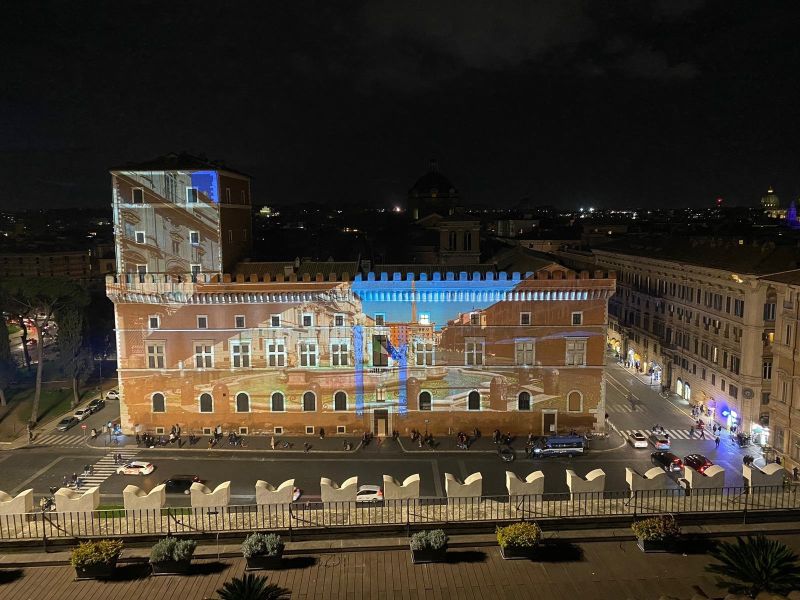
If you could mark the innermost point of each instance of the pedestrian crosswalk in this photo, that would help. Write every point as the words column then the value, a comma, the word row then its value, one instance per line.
column 626, row 408
column 675, row 434
column 104, row 468
column 59, row 439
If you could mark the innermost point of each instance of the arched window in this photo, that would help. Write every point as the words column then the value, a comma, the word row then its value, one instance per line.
column 425, row 401
column 242, row 402
column 524, row 401
column 574, row 401
column 206, row 403
column 309, row 402
column 340, row 401
column 474, row 400
column 159, row 403
column 278, row 402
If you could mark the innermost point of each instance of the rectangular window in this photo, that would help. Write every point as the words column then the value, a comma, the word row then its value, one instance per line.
column 203, row 355
column 140, row 269
column 308, row 353
column 276, row 353
column 191, row 195
column 307, row 320
column 787, row 337
column 738, row 308
column 238, row 321
column 769, row 311
column 576, row 352
column 227, row 195
column 424, row 353
column 524, row 318
column 240, row 355
column 155, row 356
column 524, row 353
column 713, row 379
column 722, row 384
column 195, row 271
column 764, row 397
column 153, row 322
column 194, row 238
column 380, row 319
column 735, row 364
column 380, row 351
column 275, row 321
column 577, row 318
column 338, row 320
column 340, row 353
column 309, row 429
column 475, row 319
column 243, row 197
column 766, row 370
column 733, row 391
column 137, row 196
column 474, row 351
column 140, row 237
column 202, row 321
column 424, row 318
column 715, row 355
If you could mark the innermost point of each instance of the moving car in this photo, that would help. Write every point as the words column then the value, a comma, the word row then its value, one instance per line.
column 66, row 423
column 96, row 404
column 112, row 395
column 82, row 413
column 697, row 461
column 557, row 445
column 180, row 484
column 369, row 493
column 667, row 461
column 136, row 467
column 637, row 440
column 660, row 441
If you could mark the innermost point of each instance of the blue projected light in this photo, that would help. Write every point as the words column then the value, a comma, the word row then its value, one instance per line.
column 207, row 182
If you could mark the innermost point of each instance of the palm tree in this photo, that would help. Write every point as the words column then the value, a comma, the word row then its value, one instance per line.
column 251, row 587
column 755, row 565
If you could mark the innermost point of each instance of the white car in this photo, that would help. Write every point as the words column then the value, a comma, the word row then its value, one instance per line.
column 369, row 493
column 82, row 413
column 112, row 395
column 638, row 440
column 136, row 467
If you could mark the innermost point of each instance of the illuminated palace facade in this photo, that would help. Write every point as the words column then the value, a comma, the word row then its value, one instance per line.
column 297, row 352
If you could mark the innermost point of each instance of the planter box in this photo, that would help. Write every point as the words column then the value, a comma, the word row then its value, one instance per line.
column 428, row 556
column 98, row 571
column 264, row 562
column 172, row 567
column 518, row 553
column 655, row 545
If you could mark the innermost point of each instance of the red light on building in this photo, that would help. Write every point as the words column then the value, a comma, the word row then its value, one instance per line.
column 719, row 202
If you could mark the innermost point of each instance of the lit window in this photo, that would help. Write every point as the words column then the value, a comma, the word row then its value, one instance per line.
column 474, row 351
column 425, row 318
column 238, row 321
column 155, row 356
column 240, row 355
column 203, row 355
column 276, row 353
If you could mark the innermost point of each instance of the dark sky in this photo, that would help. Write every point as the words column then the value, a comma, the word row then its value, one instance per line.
column 564, row 102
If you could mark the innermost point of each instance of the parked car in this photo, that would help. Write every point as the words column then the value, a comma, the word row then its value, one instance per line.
column 137, row 467
column 82, row 413
column 180, row 484
column 66, row 423
column 697, row 461
column 369, row 493
column 660, row 441
column 637, row 440
column 112, row 395
column 96, row 404
column 667, row 461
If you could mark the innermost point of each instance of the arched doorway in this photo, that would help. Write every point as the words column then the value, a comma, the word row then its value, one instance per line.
column 679, row 387
column 687, row 391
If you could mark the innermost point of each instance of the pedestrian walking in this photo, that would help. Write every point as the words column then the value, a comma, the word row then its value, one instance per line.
column 702, row 433
column 691, row 432
column 272, row 442
column 306, row 447
column 716, row 442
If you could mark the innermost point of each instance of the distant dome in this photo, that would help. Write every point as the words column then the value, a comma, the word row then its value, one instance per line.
column 433, row 183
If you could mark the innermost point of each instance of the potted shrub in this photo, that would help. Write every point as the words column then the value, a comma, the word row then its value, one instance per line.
column 656, row 534
column 263, row 551
column 172, row 556
column 428, row 546
column 96, row 560
column 519, row 540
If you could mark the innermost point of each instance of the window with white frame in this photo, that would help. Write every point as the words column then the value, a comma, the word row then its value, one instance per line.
column 278, row 402
column 155, row 355
column 194, row 238
column 153, row 322
column 240, row 355
column 424, row 353
column 340, row 353
column 276, row 353
column 203, row 355
column 380, row 351
column 523, row 350
column 238, row 321
column 140, row 237
column 380, row 319
column 475, row 318
column 137, row 196
column 308, row 320
column 524, row 318
column 474, row 351
column 191, row 195
column 242, row 402
column 340, row 401
column 577, row 318
column 576, row 351
column 424, row 318
column 202, row 321
column 338, row 320
column 195, row 269
column 308, row 353
column 766, row 370
column 275, row 321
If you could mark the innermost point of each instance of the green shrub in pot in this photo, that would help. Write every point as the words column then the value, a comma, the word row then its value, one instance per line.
column 262, row 544
column 428, row 546
column 519, row 539
column 171, row 555
column 96, row 558
column 656, row 534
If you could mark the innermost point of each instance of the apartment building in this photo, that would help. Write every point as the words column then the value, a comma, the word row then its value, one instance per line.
column 697, row 315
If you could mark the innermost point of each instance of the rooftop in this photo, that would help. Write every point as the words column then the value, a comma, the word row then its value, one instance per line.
column 178, row 162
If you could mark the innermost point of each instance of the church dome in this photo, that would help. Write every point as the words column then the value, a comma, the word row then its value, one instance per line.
column 433, row 184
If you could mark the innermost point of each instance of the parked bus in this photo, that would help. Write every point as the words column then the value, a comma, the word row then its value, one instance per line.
column 558, row 445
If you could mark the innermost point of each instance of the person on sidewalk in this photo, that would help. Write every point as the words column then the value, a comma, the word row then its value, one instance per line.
column 716, row 442
column 691, row 432
column 272, row 442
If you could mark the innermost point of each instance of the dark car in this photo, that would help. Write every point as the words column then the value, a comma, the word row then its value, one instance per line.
column 697, row 461
column 667, row 461
column 96, row 404
column 66, row 423
column 180, row 484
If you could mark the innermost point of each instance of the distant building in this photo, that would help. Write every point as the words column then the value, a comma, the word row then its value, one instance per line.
column 432, row 193
column 512, row 228
column 73, row 264
column 770, row 200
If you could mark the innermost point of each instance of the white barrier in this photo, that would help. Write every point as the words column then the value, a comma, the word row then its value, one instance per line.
column 68, row 500
column 712, row 477
column 472, row 486
column 532, row 485
column 771, row 474
column 595, row 481
column 330, row 491
column 135, row 498
column 394, row 490
column 269, row 494
column 653, row 479
column 21, row 503
column 204, row 497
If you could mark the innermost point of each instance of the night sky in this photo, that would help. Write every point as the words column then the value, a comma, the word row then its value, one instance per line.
column 562, row 102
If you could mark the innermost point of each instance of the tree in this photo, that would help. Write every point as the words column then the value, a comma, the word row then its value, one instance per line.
column 7, row 365
column 76, row 356
column 251, row 587
column 39, row 299
column 757, row 564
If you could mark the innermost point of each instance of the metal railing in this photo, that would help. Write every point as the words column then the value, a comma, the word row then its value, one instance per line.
column 405, row 514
